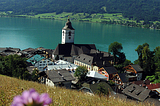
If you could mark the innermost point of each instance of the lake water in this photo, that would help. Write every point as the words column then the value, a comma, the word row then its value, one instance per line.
column 24, row 33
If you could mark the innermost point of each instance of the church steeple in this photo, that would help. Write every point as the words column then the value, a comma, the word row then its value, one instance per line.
column 68, row 33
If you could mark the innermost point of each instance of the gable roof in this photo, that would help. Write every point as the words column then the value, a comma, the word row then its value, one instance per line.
column 110, row 70
column 85, row 59
column 123, row 77
column 73, row 49
column 10, row 49
column 137, row 67
column 137, row 92
column 28, row 50
column 59, row 75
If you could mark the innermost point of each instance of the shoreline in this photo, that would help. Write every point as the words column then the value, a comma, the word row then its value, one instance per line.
column 83, row 17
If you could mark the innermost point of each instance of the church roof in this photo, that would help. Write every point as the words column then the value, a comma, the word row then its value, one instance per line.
column 73, row 49
column 85, row 59
column 68, row 26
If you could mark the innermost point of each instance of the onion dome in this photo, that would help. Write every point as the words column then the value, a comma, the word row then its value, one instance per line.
column 68, row 26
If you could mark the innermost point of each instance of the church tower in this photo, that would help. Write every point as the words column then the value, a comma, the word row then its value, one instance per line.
column 68, row 33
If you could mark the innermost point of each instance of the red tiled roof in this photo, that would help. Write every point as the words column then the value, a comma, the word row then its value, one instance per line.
column 153, row 86
column 145, row 82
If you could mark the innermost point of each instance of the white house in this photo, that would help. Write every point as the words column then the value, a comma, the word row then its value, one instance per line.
column 43, row 63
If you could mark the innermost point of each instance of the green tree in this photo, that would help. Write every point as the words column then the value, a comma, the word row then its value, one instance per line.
column 157, row 57
column 34, row 75
column 154, row 78
column 146, row 59
column 81, row 73
column 13, row 66
column 101, row 90
column 139, row 52
column 120, row 67
column 115, row 49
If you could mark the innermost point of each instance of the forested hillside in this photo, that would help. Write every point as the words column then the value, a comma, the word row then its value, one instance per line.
column 135, row 9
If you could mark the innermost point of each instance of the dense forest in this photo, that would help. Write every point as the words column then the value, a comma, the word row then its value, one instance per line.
column 134, row 9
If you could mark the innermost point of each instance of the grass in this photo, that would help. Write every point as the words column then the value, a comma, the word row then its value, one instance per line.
column 79, row 16
column 10, row 87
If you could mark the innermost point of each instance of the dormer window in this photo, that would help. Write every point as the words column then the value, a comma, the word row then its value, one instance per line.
column 138, row 92
column 132, row 89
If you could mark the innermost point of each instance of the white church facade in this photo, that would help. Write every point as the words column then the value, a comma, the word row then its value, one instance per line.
column 68, row 33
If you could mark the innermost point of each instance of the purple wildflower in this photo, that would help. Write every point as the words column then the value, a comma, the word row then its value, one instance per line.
column 31, row 98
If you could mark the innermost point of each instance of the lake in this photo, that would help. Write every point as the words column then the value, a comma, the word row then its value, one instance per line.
column 27, row 32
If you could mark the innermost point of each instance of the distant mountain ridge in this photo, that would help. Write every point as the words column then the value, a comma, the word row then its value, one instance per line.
column 136, row 9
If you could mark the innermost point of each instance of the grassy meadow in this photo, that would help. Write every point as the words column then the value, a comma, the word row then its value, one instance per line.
column 79, row 16
column 10, row 87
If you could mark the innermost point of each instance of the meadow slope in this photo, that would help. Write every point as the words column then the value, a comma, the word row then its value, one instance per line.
column 10, row 87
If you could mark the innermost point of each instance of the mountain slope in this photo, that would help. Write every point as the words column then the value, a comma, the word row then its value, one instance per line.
column 137, row 9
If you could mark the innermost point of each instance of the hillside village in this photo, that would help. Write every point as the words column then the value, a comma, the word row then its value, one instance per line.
column 57, row 67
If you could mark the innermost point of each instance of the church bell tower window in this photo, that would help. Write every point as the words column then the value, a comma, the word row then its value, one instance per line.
column 69, row 33
column 63, row 33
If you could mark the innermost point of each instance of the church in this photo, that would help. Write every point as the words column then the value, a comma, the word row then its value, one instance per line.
column 68, row 50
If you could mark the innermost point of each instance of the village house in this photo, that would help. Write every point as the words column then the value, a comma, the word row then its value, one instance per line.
column 96, row 75
column 9, row 51
column 121, row 80
column 155, row 88
column 136, row 92
column 109, row 72
column 92, row 61
column 61, row 64
column 35, row 58
column 87, row 61
column 55, row 78
column 40, row 62
column 134, row 72
column 43, row 63
column 47, row 53
column 142, row 83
